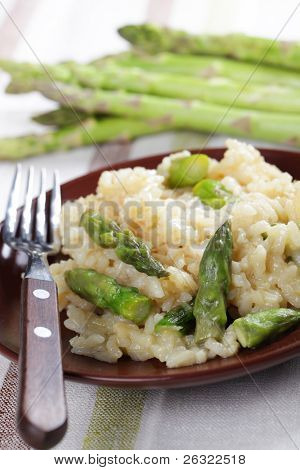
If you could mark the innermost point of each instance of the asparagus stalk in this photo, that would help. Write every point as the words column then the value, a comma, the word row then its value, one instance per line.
column 212, row 193
column 88, row 132
column 104, row 292
column 180, row 318
column 214, row 280
column 129, row 248
column 25, row 73
column 178, row 114
column 204, row 67
column 186, row 171
column 62, row 71
column 221, row 90
column 154, row 39
column 257, row 328
column 60, row 117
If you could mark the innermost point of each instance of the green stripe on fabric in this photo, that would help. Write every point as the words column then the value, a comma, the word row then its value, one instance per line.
column 115, row 420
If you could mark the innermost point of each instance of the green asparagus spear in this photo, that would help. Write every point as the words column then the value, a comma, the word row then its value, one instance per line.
column 101, row 231
column 186, row 171
column 129, row 248
column 61, row 117
column 257, row 328
column 104, row 292
column 212, row 193
column 24, row 74
column 178, row 114
column 220, row 91
column 180, row 318
column 202, row 67
column 59, row 72
column 86, row 133
column 214, row 281
column 154, row 39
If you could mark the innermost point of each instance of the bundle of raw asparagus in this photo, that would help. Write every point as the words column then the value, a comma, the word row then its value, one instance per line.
column 187, row 82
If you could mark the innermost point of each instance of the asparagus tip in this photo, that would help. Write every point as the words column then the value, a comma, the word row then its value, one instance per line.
column 147, row 36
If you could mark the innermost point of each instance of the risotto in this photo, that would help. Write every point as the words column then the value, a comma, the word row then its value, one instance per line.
column 266, row 242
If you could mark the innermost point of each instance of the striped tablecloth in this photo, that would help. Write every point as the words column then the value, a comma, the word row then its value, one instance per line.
column 259, row 412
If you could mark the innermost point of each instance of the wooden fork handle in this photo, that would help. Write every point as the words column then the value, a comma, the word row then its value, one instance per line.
column 42, row 415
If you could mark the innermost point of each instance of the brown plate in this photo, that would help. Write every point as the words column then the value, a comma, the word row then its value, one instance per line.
column 127, row 373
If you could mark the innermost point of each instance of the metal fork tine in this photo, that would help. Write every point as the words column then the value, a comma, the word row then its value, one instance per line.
column 55, row 210
column 11, row 216
column 25, row 241
column 41, row 228
column 26, row 220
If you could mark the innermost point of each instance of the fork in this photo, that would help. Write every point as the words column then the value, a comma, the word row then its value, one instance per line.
column 42, row 415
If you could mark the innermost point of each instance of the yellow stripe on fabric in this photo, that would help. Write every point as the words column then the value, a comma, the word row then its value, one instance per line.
column 115, row 420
